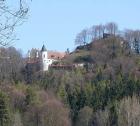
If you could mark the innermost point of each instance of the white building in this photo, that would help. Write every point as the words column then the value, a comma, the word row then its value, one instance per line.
column 44, row 58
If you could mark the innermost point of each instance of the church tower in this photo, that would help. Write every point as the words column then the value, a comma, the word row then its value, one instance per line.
column 44, row 54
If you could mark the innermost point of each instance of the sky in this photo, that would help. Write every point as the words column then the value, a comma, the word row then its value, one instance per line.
column 55, row 23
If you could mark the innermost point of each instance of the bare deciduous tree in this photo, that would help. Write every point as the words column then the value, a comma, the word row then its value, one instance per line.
column 84, row 117
column 111, row 28
column 82, row 37
column 11, row 16
column 133, row 38
column 11, row 63
column 95, row 32
column 129, row 112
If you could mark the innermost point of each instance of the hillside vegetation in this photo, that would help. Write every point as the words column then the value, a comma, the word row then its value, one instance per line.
column 105, row 92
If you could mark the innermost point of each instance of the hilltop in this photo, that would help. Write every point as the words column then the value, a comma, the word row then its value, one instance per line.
column 102, row 91
column 112, row 53
column 99, row 93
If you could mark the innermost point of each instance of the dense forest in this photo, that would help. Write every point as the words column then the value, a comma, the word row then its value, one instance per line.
column 104, row 92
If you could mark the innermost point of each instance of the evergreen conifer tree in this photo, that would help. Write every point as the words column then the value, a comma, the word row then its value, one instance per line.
column 4, row 110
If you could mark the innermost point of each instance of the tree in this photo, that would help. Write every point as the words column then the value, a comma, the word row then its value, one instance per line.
column 111, row 28
column 128, row 35
column 84, row 117
column 11, row 63
column 17, row 119
column 54, row 109
column 11, row 15
column 82, row 37
column 133, row 38
column 49, row 113
column 136, row 46
column 129, row 111
column 100, row 30
column 101, row 118
column 96, row 31
column 34, row 53
column 4, row 110
column 93, row 32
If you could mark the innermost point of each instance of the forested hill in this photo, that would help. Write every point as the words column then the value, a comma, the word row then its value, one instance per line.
column 98, row 84
column 105, row 92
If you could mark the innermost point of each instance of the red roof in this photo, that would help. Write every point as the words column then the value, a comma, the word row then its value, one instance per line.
column 56, row 55
column 51, row 55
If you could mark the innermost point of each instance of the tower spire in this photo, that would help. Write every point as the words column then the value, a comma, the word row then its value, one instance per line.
column 43, row 48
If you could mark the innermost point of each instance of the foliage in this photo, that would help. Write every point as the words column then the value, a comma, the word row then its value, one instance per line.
column 5, row 118
column 101, row 93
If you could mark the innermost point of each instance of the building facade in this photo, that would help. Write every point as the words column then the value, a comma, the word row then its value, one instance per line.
column 44, row 58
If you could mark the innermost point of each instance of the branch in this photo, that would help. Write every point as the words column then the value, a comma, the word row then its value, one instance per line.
column 10, row 19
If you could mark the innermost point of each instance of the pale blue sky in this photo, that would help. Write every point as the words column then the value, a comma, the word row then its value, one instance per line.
column 55, row 23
